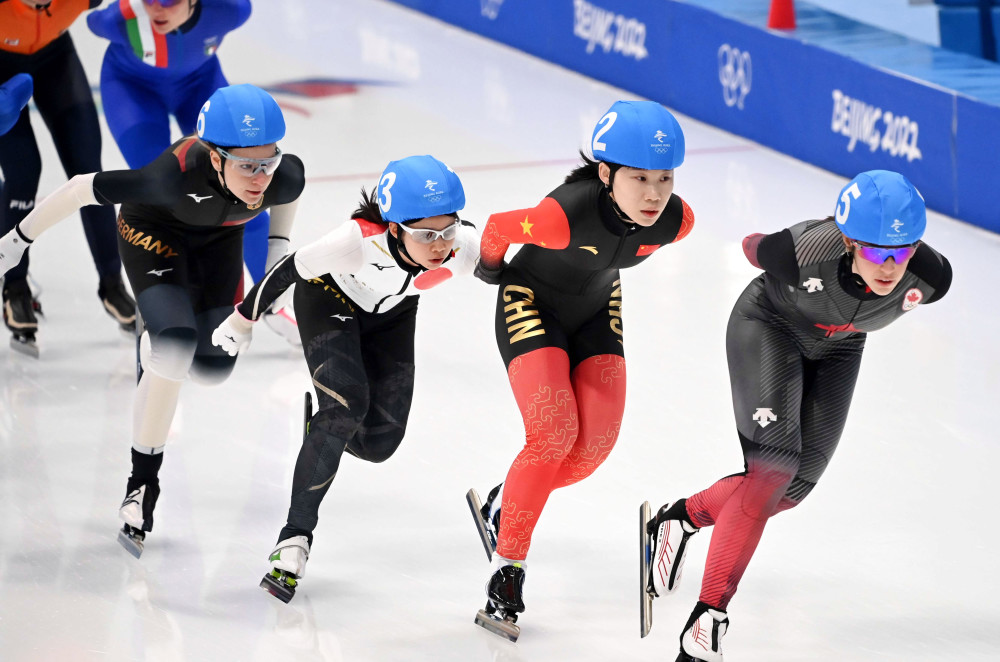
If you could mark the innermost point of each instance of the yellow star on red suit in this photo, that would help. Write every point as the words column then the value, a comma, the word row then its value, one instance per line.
column 526, row 226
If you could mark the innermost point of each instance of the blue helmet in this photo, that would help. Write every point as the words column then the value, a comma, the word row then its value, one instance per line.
column 418, row 187
column 882, row 208
column 639, row 134
column 241, row 116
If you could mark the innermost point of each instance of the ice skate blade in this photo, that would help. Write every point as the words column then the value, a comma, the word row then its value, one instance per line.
column 132, row 545
column 645, row 558
column 476, row 506
column 498, row 626
column 26, row 347
column 277, row 589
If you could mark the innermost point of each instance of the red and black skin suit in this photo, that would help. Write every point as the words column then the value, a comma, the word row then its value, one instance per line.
column 559, row 328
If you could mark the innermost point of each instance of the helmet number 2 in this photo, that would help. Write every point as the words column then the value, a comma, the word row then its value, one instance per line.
column 850, row 192
column 610, row 119
column 384, row 197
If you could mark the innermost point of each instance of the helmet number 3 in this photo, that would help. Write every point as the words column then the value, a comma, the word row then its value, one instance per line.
column 385, row 197
column 843, row 211
column 610, row 119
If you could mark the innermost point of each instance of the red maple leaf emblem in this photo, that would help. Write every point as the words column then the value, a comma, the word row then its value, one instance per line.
column 913, row 296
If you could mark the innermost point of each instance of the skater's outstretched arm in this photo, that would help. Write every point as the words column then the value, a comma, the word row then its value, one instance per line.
column 156, row 184
column 339, row 251
column 545, row 225
column 67, row 199
column 279, row 231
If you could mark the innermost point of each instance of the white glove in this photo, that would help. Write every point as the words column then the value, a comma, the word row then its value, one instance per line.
column 234, row 334
column 12, row 248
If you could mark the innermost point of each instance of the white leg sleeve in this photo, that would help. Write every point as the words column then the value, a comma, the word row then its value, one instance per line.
column 153, row 411
column 159, row 389
column 170, row 359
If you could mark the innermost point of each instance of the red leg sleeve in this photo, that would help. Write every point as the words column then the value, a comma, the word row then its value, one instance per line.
column 704, row 507
column 599, row 385
column 541, row 383
column 738, row 530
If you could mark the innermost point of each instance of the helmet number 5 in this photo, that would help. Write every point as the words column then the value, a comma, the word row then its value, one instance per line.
column 387, row 181
column 851, row 192
column 610, row 119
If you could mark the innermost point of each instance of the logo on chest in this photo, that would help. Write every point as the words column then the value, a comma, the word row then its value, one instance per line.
column 813, row 285
column 912, row 299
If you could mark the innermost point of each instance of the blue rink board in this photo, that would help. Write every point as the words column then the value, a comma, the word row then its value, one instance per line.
column 833, row 92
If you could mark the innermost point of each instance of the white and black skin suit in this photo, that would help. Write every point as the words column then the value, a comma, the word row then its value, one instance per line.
column 356, row 304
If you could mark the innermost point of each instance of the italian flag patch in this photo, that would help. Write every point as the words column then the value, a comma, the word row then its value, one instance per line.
column 149, row 45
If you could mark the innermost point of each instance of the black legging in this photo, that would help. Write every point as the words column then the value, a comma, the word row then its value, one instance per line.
column 63, row 98
column 805, row 384
column 362, row 369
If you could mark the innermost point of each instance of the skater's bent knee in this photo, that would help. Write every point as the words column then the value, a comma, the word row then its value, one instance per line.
column 795, row 493
column 374, row 452
column 168, row 354
column 786, row 503
column 380, row 456
column 763, row 491
column 212, row 370
column 768, row 482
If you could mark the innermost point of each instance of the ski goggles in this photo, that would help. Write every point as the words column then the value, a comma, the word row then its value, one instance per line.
column 163, row 3
column 879, row 254
column 249, row 167
column 428, row 236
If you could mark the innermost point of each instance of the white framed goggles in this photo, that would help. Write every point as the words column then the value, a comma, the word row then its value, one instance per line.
column 249, row 167
column 429, row 236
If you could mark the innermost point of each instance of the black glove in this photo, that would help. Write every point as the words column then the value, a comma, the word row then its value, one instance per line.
column 487, row 275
